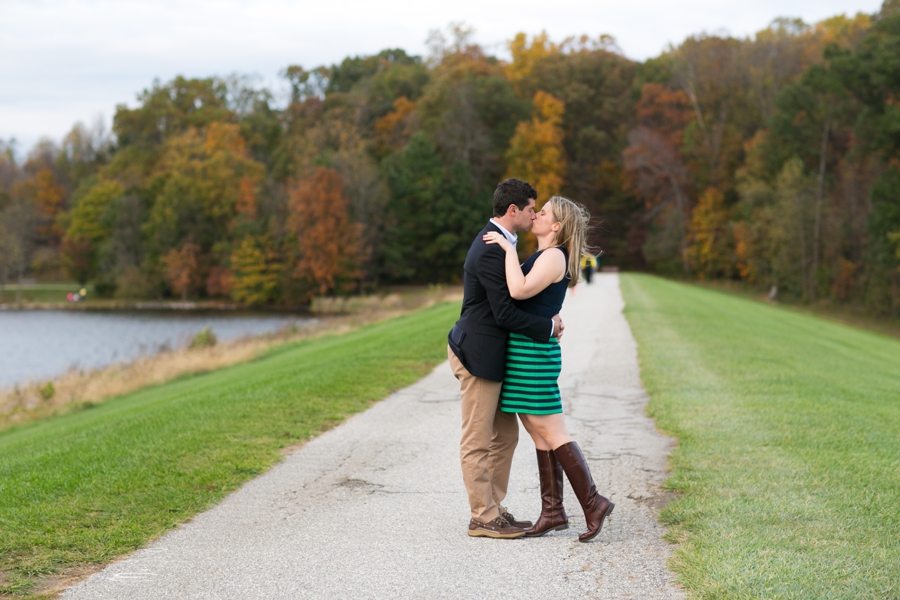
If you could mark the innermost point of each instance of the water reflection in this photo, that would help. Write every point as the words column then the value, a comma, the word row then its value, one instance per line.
column 40, row 344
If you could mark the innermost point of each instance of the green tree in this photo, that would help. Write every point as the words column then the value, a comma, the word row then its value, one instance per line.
column 790, row 239
column 89, row 226
column 430, row 216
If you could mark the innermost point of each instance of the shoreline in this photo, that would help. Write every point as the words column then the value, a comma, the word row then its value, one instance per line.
column 30, row 401
column 153, row 305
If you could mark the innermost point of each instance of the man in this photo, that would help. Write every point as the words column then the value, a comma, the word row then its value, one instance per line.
column 477, row 353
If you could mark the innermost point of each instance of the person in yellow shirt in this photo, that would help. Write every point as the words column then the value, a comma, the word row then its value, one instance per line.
column 588, row 266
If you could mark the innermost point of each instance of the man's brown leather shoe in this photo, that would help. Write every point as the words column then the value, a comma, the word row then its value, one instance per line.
column 512, row 521
column 498, row 528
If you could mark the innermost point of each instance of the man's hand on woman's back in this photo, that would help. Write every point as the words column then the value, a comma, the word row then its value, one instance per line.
column 558, row 326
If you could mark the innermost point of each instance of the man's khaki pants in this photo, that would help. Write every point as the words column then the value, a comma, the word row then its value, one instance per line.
column 489, row 439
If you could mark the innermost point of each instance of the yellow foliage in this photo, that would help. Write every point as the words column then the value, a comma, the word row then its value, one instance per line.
column 895, row 238
column 254, row 267
column 708, row 251
column 208, row 167
column 224, row 136
column 526, row 56
column 536, row 150
column 841, row 30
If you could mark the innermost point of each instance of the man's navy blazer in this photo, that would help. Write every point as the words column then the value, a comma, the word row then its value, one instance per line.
column 489, row 313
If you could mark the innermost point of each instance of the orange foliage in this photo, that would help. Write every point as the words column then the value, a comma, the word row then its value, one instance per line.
column 743, row 248
column 327, row 239
column 654, row 170
column 536, row 150
column 224, row 136
column 393, row 129
column 219, row 282
column 47, row 196
column 845, row 280
column 665, row 111
column 181, row 268
column 246, row 201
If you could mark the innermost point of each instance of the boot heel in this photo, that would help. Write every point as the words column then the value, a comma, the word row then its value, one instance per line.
column 572, row 460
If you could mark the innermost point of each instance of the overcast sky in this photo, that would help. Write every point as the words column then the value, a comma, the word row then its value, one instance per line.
column 75, row 60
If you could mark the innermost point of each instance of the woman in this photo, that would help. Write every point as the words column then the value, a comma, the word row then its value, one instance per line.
column 532, row 368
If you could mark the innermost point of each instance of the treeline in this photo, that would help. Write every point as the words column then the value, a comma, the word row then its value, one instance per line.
column 773, row 159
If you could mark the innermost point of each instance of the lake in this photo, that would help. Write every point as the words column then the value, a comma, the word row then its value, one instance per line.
column 40, row 344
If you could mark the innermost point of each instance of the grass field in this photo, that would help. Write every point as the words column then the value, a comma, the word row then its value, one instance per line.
column 788, row 459
column 87, row 487
column 42, row 292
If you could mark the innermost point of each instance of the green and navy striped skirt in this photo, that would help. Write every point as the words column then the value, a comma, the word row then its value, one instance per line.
column 532, row 369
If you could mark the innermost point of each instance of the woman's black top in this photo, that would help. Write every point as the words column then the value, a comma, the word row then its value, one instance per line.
column 549, row 301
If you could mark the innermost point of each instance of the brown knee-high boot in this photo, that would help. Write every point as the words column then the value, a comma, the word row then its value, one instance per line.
column 553, row 515
column 596, row 507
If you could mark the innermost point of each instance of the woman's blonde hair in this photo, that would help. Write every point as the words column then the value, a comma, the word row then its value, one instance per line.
column 574, row 220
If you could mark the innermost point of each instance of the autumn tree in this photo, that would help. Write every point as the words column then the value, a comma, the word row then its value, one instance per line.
column 596, row 84
column 526, row 55
column 48, row 196
column 709, row 249
column 181, row 268
column 327, row 240
column 246, row 199
column 255, row 271
column 392, row 131
column 205, row 180
column 536, row 151
column 659, row 176
column 167, row 110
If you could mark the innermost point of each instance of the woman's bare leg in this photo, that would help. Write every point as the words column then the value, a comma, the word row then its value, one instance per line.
column 548, row 431
column 539, row 442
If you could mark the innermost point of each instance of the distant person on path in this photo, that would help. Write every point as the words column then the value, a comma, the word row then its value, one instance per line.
column 477, row 353
column 533, row 365
column 588, row 266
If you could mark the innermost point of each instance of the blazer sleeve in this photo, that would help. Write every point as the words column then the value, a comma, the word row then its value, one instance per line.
column 492, row 275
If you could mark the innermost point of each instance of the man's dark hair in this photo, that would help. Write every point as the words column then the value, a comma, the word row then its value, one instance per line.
column 512, row 191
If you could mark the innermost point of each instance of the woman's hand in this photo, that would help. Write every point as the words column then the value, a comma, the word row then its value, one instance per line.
column 492, row 237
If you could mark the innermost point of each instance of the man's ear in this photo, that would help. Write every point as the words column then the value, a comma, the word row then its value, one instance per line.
column 511, row 210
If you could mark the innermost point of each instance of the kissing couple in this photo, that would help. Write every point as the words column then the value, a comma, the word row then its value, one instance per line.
column 504, row 350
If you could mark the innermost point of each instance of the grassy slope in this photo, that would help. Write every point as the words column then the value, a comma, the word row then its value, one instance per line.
column 788, row 457
column 93, row 485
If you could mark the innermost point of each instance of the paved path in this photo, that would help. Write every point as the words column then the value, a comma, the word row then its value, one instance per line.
column 375, row 508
